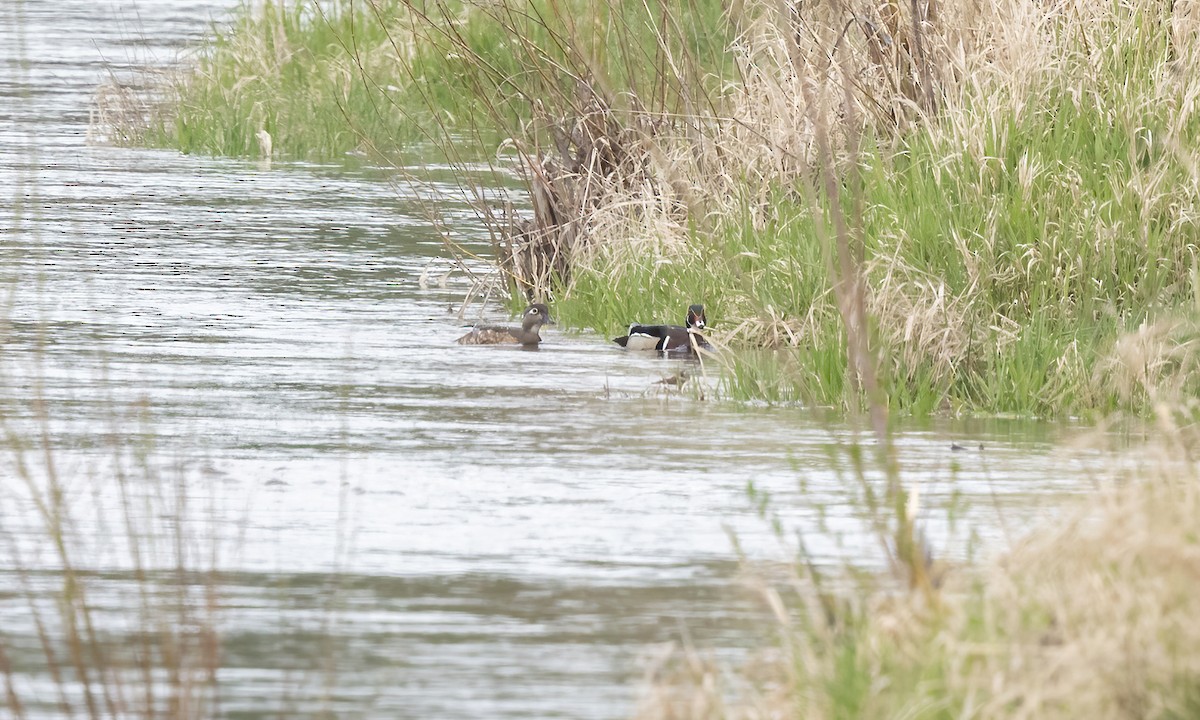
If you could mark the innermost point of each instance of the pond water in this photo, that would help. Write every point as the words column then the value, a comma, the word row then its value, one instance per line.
column 246, row 357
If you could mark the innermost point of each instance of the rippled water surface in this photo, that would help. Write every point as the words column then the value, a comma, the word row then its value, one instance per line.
column 407, row 527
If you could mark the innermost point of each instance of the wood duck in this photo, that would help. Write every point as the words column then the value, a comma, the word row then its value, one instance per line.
column 667, row 338
column 534, row 317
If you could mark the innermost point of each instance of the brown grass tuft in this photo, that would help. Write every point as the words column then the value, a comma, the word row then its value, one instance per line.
column 1159, row 363
column 922, row 323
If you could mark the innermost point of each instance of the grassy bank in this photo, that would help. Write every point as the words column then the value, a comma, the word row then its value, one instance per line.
column 375, row 78
column 1011, row 242
column 1016, row 182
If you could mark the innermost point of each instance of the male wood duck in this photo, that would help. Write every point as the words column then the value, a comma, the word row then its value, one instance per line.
column 667, row 338
column 534, row 317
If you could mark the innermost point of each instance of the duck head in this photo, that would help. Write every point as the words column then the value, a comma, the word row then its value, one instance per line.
column 535, row 316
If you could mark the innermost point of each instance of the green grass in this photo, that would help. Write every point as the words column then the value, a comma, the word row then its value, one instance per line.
column 376, row 78
column 320, row 85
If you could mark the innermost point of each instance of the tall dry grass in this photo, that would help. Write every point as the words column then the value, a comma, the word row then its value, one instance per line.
column 1094, row 615
column 115, row 577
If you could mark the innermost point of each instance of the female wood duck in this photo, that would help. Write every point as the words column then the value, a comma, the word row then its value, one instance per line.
column 534, row 317
column 667, row 338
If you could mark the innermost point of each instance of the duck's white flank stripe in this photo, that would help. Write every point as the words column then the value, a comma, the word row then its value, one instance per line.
column 641, row 341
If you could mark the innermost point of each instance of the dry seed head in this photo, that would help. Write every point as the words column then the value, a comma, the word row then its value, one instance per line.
column 1159, row 359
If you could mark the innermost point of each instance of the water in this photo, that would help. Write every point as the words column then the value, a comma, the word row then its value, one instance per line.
column 246, row 357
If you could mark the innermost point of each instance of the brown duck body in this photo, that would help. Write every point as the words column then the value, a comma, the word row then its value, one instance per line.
column 534, row 317
column 497, row 335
